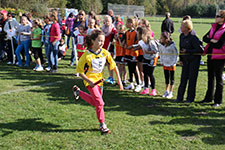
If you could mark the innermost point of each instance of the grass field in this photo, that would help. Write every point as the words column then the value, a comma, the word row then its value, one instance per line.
column 38, row 112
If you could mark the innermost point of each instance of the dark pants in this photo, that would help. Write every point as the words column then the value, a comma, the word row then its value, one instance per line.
column 2, row 49
column 9, row 49
column 215, row 69
column 133, row 71
column 189, row 74
column 169, row 77
column 37, row 52
column 148, row 73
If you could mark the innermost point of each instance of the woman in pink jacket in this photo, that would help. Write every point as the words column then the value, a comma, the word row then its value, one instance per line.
column 216, row 59
column 54, row 42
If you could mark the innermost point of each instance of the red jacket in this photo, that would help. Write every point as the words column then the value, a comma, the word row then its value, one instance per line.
column 55, row 32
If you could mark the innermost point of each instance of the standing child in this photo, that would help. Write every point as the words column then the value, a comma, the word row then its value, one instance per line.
column 80, row 40
column 61, row 49
column 150, row 57
column 129, row 39
column 90, row 68
column 168, row 46
column 110, row 32
column 24, row 40
column 120, row 53
column 91, row 26
column 36, row 45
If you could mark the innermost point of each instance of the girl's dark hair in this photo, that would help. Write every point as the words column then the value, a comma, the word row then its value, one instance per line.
column 167, row 35
column 70, row 15
column 94, row 35
column 140, row 31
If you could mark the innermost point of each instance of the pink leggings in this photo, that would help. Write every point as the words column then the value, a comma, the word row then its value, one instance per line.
column 95, row 99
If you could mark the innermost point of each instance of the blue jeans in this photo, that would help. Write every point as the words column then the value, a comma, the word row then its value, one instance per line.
column 72, row 59
column 47, row 51
column 26, row 46
column 53, row 54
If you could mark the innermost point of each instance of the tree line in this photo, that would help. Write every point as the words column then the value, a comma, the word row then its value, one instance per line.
column 195, row 8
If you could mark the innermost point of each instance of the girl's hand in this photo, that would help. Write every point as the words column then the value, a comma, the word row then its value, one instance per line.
column 120, row 85
column 91, row 84
column 181, row 63
column 213, row 41
column 183, row 51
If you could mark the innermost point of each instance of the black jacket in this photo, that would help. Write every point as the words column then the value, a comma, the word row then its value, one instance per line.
column 167, row 25
column 192, row 45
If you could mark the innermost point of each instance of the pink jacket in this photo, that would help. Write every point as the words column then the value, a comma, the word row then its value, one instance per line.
column 217, row 36
column 55, row 32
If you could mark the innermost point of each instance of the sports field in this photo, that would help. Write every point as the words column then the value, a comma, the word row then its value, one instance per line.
column 37, row 111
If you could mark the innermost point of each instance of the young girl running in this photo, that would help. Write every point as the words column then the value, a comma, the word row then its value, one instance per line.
column 36, row 45
column 150, row 57
column 168, row 46
column 80, row 40
column 91, row 26
column 129, row 39
column 90, row 67
column 120, row 53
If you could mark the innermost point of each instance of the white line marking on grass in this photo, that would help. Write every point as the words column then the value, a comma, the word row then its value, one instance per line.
column 29, row 88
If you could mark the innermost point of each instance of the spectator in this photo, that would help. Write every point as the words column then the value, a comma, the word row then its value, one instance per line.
column 167, row 24
column 3, row 21
column 54, row 42
column 189, row 45
column 111, row 14
column 11, row 28
column 24, row 41
column 215, row 40
column 69, row 25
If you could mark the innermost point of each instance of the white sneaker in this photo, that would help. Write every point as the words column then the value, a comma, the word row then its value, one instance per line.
column 35, row 67
column 9, row 63
column 142, row 84
column 170, row 95
column 39, row 68
column 165, row 94
column 103, row 129
column 138, row 88
column 129, row 87
column 17, row 63
column 223, row 77
column 48, row 68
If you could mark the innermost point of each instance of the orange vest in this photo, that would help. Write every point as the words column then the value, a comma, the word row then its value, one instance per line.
column 130, row 40
column 119, row 49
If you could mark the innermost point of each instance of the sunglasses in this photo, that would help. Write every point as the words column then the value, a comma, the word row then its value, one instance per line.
column 218, row 16
column 9, row 16
column 81, row 14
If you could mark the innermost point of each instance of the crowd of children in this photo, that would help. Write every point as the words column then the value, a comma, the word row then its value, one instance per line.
column 93, row 49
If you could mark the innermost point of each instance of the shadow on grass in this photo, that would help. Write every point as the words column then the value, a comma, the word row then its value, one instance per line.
column 35, row 124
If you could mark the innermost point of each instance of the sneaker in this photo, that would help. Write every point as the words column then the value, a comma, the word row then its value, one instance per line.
column 138, row 88
column 145, row 91
column 19, row 65
column 216, row 105
column 103, row 129
column 129, row 87
column 153, row 92
column 53, row 70
column 223, row 77
column 35, row 68
column 165, row 94
column 142, row 85
column 9, row 63
column 202, row 63
column 71, row 64
column 39, row 68
column 170, row 95
column 48, row 68
column 26, row 65
column 76, row 91
column 108, row 80
column 111, row 81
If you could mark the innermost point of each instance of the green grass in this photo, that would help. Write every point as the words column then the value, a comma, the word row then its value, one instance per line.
column 39, row 112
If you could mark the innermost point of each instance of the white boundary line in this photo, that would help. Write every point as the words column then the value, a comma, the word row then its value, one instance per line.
column 29, row 88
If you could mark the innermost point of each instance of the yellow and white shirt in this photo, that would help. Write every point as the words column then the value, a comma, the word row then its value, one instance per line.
column 93, row 64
